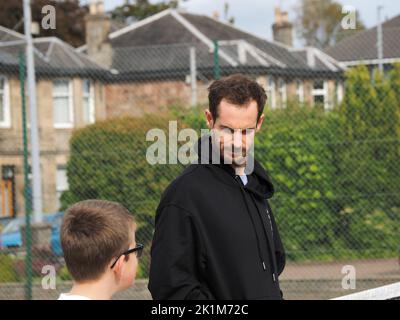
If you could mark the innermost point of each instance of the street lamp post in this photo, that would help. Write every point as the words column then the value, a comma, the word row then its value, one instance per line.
column 35, row 145
column 380, row 39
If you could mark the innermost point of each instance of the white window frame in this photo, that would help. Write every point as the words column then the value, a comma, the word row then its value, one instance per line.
column 339, row 91
column 5, row 94
column 300, row 91
column 60, row 190
column 282, row 93
column 92, row 106
column 321, row 92
column 271, row 92
column 70, row 124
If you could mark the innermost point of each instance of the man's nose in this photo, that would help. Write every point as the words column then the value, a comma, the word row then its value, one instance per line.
column 237, row 138
column 238, row 141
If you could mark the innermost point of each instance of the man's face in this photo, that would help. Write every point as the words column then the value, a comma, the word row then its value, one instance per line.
column 234, row 130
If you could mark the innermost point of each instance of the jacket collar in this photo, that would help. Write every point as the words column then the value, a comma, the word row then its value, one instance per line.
column 259, row 183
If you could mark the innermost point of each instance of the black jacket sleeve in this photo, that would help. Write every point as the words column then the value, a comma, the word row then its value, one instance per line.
column 174, row 273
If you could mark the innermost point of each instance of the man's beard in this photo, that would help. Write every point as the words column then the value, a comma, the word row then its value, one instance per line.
column 237, row 158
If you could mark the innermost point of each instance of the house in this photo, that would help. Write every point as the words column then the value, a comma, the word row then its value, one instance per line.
column 166, row 59
column 361, row 48
column 69, row 96
column 151, row 61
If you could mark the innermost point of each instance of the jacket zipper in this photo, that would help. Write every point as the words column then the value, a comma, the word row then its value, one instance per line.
column 272, row 232
column 237, row 178
column 270, row 251
column 270, row 222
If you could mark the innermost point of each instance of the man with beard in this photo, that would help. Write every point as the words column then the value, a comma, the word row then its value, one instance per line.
column 215, row 234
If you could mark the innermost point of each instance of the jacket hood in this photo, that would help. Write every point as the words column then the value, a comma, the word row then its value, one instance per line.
column 259, row 183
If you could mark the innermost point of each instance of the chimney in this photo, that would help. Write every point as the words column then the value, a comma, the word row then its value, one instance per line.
column 215, row 15
column 98, row 27
column 282, row 29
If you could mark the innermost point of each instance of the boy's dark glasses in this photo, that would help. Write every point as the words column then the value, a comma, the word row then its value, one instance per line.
column 138, row 249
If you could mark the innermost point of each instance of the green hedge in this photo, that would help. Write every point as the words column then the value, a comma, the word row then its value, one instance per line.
column 7, row 270
column 336, row 173
column 108, row 161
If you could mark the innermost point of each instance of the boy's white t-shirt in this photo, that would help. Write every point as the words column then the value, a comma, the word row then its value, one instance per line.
column 67, row 296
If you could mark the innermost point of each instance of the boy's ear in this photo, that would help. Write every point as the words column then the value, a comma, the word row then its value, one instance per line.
column 119, row 266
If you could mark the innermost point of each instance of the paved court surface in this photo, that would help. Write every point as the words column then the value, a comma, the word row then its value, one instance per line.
column 298, row 281
column 365, row 269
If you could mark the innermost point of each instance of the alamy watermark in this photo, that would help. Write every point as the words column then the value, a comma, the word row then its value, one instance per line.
column 49, row 20
column 228, row 146
column 349, row 280
column 349, row 21
column 50, row 277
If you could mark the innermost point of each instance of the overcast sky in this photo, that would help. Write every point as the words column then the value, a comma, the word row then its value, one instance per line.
column 256, row 16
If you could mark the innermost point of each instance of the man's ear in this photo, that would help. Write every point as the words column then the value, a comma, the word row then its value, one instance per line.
column 260, row 122
column 209, row 119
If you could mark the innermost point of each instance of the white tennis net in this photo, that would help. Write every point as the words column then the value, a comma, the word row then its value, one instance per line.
column 388, row 292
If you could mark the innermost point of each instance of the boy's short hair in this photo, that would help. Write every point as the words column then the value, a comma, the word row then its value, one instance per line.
column 93, row 232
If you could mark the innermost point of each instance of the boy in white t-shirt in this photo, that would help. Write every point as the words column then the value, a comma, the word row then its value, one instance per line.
column 100, row 251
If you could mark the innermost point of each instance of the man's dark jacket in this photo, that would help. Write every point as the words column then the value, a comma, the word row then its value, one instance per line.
column 216, row 238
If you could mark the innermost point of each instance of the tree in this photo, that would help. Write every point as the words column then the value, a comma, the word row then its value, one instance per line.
column 368, row 173
column 70, row 25
column 319, row 23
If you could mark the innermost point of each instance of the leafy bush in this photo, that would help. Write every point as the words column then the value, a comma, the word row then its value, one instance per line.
column 7, row 271
column 108, row 161
column 336, row 173
column 63, row 274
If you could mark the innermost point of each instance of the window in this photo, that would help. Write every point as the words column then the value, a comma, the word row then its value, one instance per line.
column 61, row 181
column 63, row 104
column 339, row 91
column 320, row 93
column 299, row 91
column 271, row 92
column 5, row 121
column 88, row 101
column 282, row 93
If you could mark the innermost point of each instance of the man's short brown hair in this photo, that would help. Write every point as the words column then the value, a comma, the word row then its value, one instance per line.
column 237, row 89
column 93, row 232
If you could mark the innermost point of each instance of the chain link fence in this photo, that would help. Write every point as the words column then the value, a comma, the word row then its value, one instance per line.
column 330, row 142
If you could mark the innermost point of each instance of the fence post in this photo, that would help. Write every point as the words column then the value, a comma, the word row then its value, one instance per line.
column 34, row 126
column 27, row 194
column 193, row 76
column 217, row 70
